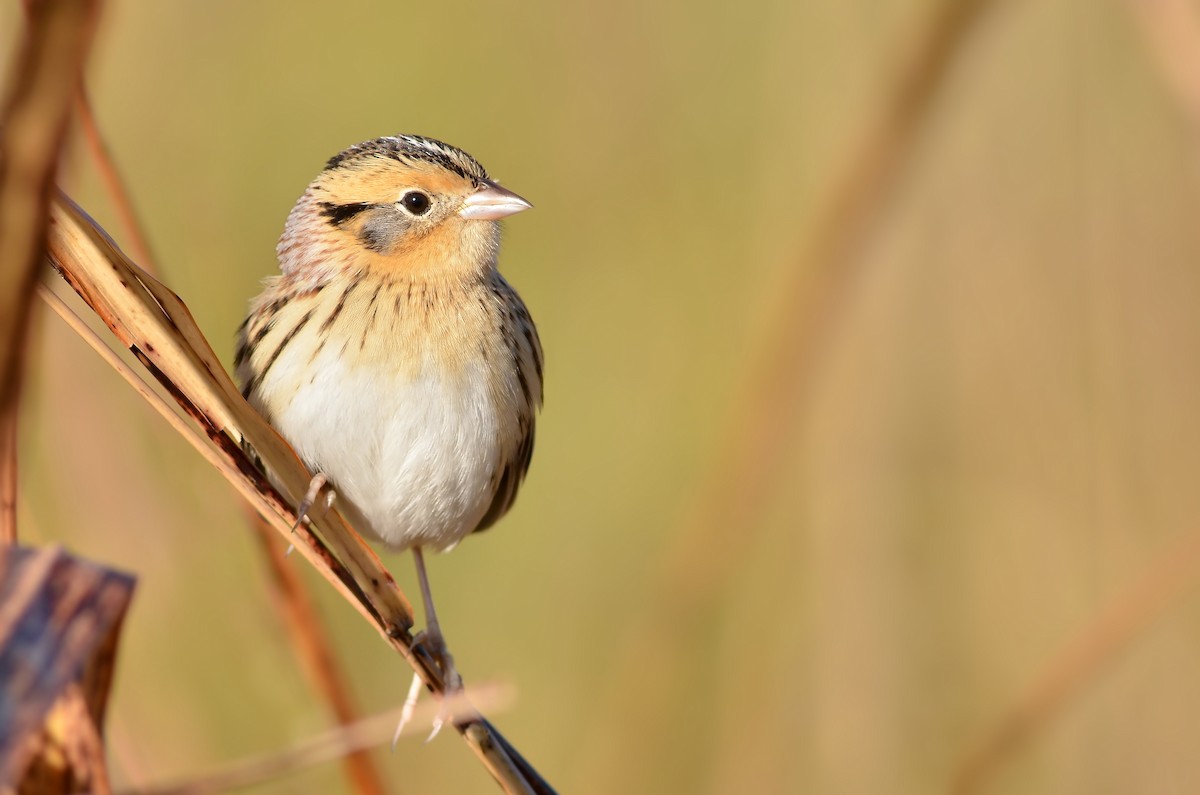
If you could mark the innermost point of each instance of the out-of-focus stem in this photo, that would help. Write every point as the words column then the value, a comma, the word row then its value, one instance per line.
column 33, row 124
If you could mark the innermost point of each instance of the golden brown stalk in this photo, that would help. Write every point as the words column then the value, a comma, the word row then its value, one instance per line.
column 33, row 127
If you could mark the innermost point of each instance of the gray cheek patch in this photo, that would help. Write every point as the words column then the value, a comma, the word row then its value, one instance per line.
column 382, row 229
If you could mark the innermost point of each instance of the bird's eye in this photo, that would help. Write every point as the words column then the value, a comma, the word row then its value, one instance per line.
column 416, row 202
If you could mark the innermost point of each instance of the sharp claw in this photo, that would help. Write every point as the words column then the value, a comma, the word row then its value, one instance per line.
column 310, row 498
column 438, row 722
column 406, row 713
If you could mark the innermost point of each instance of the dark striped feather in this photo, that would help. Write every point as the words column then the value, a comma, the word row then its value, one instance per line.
column 254, row 383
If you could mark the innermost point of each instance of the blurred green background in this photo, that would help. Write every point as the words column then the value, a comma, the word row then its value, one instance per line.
column 996, row 437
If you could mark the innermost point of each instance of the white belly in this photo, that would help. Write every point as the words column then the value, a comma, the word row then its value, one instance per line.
column 415, row 456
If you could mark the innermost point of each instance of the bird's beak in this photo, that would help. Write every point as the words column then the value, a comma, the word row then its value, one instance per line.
column 491, row 203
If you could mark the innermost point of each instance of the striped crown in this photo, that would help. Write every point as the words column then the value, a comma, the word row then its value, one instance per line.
column 411, row 149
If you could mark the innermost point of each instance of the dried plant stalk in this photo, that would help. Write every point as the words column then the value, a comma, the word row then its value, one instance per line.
column 310, row 641
column 1112, row 630
column 114, row 186
column 744, row 473
column 337, row 742
column 33, row 126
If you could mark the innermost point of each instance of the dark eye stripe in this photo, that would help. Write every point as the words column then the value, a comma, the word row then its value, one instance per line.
column 339, row 214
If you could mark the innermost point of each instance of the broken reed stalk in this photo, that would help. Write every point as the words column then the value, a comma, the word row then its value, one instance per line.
column 33, row 125
column 159, row 330
column 60, row 623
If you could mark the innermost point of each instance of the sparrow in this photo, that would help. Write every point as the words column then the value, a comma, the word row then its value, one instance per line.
column 390, row 352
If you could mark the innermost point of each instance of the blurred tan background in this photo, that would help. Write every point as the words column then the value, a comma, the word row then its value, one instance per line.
column 987, row 437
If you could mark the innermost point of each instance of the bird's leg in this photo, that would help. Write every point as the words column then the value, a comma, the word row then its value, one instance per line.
column 435, row 643
column 432, row 638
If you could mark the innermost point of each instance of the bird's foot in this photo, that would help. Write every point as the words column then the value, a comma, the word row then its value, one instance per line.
column 433, row 644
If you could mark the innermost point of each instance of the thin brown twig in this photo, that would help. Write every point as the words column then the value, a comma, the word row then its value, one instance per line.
column 310, row 641
column 1113, row 630
column 33, row 127
column 114, row 185
column 338, row 742
column 8, row 474
column 102, row 159
column 148, row 393
column 745, row 471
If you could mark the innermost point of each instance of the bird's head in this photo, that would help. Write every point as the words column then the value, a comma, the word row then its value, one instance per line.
column 404, row 205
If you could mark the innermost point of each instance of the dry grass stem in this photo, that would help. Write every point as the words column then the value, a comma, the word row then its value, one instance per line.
column 33, row 123
column 310, row 641
column 8, row 474
column 743, row 475
column 1112, row 631
column 149, row 393
column 354, row 738
column 157, row 327
column 114, row 186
